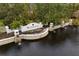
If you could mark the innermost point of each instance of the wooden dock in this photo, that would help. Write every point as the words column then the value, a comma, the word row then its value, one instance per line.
column 50, row 28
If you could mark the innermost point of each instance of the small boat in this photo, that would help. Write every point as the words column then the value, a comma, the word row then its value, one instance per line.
column 33, row 31
column 34, row 36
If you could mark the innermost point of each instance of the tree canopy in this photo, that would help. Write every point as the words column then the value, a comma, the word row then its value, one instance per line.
column 15, row 15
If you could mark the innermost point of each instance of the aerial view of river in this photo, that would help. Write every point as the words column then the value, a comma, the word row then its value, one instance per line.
column 62, row 42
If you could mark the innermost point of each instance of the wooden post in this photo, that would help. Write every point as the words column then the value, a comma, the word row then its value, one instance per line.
column 17, row 38
column 70, row 21
column 62, row 24
column 51, row 27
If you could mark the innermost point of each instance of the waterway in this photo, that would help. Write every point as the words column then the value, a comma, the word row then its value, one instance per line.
column 62, row 42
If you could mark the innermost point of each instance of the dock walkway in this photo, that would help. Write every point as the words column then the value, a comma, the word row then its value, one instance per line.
column 34, row 36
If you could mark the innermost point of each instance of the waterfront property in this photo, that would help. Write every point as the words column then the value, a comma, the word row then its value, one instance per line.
column 31, row 31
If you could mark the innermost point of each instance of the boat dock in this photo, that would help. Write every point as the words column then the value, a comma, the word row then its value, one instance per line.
column 34, row 36
column 62, row 25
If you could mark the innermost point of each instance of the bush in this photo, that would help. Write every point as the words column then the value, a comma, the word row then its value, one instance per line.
column 76, row 22
column 1, row 22
column 15, row 24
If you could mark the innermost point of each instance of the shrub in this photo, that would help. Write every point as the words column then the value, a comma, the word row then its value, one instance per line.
column 1, row 22
column 76, row 22
column 15, row 24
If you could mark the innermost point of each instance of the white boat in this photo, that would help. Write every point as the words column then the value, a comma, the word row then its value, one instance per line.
column 34, row 36
column 38, row 33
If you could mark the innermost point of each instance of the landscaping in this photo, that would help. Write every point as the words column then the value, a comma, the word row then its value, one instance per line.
column 15, row 15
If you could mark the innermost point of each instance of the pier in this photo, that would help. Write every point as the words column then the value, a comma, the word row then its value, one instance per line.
column 34, row 36
column 62, row 25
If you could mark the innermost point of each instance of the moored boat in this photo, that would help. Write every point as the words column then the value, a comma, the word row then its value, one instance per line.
column 35, row 36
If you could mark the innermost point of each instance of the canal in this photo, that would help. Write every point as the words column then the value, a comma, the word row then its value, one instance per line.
column 62, row 42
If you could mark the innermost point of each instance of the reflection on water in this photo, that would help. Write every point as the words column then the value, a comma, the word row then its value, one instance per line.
column 62, row 42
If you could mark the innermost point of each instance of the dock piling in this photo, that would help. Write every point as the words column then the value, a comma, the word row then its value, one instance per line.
column 17, row 37
column 62, row 23
column 70, row 21
column 51, row 27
